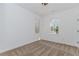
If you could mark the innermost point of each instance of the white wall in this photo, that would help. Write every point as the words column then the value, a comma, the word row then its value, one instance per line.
column 68, row 27
column 1, row 20
column 18, row 25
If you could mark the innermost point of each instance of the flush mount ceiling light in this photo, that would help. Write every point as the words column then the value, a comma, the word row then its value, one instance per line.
column 44, row 4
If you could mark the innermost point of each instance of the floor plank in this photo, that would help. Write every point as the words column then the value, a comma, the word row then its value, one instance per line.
column 43, row 48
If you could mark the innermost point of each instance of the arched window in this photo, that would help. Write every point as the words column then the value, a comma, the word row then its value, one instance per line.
column 54, row 25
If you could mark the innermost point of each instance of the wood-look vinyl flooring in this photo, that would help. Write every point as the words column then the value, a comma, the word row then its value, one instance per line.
column 43, row 48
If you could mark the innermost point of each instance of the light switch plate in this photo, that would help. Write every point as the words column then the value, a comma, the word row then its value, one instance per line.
column 77, row 19
column 77, row 30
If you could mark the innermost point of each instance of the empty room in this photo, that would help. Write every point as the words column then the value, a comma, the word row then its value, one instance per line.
column 39, row 29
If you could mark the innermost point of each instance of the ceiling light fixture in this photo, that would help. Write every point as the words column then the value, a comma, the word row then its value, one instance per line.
column 44, row 4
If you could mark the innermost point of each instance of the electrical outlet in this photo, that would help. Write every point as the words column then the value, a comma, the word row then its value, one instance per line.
column 39, row 38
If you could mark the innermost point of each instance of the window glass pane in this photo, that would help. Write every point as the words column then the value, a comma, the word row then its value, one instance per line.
column 54, row 25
